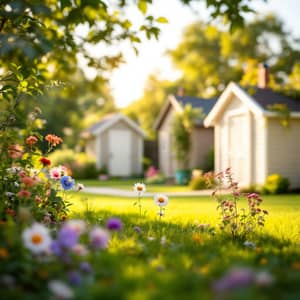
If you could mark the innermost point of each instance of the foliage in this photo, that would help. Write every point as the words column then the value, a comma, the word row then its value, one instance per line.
column 210, row 57
column 276, row 184
column 156, row 179
column 282, row 111
column 209, row 164
column 240, row 223
column 202, row 181
column 182, row 126
column 80, row 164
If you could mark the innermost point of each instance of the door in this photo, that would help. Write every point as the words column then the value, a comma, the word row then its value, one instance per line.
column 237, row 148
column 119, row 143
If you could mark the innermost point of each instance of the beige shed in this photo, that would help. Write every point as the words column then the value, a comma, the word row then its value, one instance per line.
column 117, row 143
column 202, row 138
column 250, row 137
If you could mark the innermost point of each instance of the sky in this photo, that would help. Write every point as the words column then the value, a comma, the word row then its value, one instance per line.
column 128, row 81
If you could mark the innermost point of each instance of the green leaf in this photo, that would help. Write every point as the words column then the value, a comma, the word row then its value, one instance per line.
column 142, row 5
column 162, row 20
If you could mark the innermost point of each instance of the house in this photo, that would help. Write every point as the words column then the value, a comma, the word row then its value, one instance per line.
column 250, row 137
column 117, row 143
column 202, row 138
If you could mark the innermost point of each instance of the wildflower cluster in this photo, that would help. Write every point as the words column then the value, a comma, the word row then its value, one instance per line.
column 239, row 222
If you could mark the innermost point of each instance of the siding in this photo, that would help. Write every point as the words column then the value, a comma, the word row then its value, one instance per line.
column 283, row 150
column 202, row 141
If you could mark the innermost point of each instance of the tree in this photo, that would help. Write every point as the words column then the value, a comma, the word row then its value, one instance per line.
column 210, row 57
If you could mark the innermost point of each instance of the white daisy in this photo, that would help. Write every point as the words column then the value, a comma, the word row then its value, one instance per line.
column 36, row 238
column 139, row 188
column 60, row 289
column 80, row 187
column 161, row 200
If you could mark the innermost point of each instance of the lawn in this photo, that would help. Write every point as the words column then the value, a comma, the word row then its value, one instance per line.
column 177, row 259
column 127, row 184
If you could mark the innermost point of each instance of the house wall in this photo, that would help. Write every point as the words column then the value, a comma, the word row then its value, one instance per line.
column 166, row 157
column 136, row 152
column 283, row 150
column 202, row 141
column 234, row 142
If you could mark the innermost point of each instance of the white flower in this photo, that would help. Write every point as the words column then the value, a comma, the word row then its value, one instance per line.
column 139, row 188
column 80, row 187
column 60, row 289
column 55, row 173
column 78, row 226
column 80, row 250
column 264, row 278
column 161, row 200
column 36, row 238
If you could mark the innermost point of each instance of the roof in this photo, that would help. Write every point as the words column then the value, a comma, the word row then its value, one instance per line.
column 255, row 99
column 108, row 121
column 179, row 102
column 266, row 97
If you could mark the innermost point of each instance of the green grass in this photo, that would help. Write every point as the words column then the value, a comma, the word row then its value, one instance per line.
column 140, row 267
column 127, row 184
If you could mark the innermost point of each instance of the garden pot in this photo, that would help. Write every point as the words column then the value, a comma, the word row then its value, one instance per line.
column 182, row 176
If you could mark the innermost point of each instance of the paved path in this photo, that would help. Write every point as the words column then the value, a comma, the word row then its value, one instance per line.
column 128, row 193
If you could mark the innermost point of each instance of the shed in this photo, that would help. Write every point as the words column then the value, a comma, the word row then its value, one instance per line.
column 250, row 138
column 202, row 138
column 117, row 143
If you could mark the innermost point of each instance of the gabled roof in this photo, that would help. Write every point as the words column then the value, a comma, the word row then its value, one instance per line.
column 256, row 100
column 110, row 120
column 179, row 102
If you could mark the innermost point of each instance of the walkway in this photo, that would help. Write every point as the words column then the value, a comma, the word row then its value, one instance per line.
column 125, row 193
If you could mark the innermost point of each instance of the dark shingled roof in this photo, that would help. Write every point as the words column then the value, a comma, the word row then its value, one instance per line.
column 266, row 97
column 205, row 104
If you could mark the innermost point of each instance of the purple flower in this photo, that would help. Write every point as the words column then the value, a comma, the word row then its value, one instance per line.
column 85, row 267
column 56, row 248
column 99, row 238
column 75, row 278
column 67, row 182
column 114, row 224
column 235, row 278
column 67, row 237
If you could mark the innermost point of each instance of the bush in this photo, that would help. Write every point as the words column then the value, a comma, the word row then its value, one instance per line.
column 202, row 182
column 276, row 184
column 80, row 165
column 209, row 161
column 156, row 179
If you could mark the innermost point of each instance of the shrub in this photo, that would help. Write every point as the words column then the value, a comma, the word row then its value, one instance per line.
column 156, row 179
column 81, row 165
column 202, row 182
column 275, row 184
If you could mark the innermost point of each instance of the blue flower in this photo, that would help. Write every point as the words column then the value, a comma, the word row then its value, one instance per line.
column 67, row 237
column 67, row 182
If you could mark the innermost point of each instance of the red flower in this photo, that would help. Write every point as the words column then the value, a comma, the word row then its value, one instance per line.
column 45, row 161
column 24, row 194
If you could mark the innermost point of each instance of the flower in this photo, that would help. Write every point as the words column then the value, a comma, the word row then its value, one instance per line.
column 55, row 173
column 85, row 267
column 264, row 278
column 15, row 151
column 53, row 139
column 67, row 237
column 37, row 238
column 80, row 187
column 114, row 224
column 161, row 200
column 249, row 244
column 77, row 225
column 67, row 182
column 28, row 181
column 24, row 194
column 235, row 278
column 31, row 140
column 99, row 238
column 75, row 278
column 60, row 289
column 139, row 188
column 80, row 250
column 45, row 161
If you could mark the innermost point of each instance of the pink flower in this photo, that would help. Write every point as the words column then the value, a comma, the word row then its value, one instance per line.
column 24, row 194
column 28, row 181
column 31, row 140
column 15, row 151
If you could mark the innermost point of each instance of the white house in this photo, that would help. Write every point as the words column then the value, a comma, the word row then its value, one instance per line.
column 250, row 138
column 116, row 143
column 202, row 138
